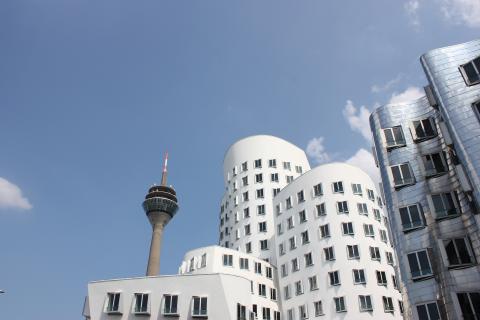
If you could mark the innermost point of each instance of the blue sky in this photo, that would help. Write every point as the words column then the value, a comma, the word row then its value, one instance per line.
column 93, row 92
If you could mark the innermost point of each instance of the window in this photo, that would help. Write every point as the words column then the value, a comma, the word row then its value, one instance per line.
column 321, row 211
column 275, row 192
column 305, row 238
column 338, row 187
column 365, row 303
column 290, row 224
column 247, row 229
column 357, row 188
column 259, row 178
column 246, row 213
column 434, row 164
column 245, row 166
column 203, row 261
column 423, row 129
column 389, row 256
column 298, row 288
column 375, row 253
column 325, row 231
column 329, row 253
column 284, row 270
column 376, row 214
column 244, row 263
column 387, row 304
column 237, row 217
column 245, row 181
column 317, row 190
column 113, row 302
column 402, row 175
column 308, row 259
column 281, row 249
column 394, row 137
column 371, row 195
column 352, row 251
column 262, row 290
column 273, row 294
column 394, row 281
column 274, row 177
column 312, row 281
column 381, row 278
column 268, row 272
column 228, row 260
column 459, row 252
column 248, row 247
column 259, row 193
column 359, row 276
column 302, row 310
column 342, row 207
column 318, row 308
column 302, row 216
column 412, row 217
column 286, row 292
column 295, row 265
column 368, row 229
column 300, row 196
column 334, row 277
column 192, row 264
column 289, row 179
column 257, row 163
column 428, row 311
column 290, row 314
column 234, row 171
column 286, row 166
column 280, row 228
column 400, row 306
column 347, row 228
column 293, row 243
column 264, row 244
column 362, row 209
column 470, row 304
column 476, row 109
column 288, row 203
column 170, row 303
column 471, row 71
column 445, row 205
column 298, row 169
column 262, row 226
column 272, row 163
column 141, row 303
column 419, row 264
column 261, row 209
column 199, row 307
column 241, row 312
column 258, row 268
column 340, row 304
column 383, row 235
column 235, row 186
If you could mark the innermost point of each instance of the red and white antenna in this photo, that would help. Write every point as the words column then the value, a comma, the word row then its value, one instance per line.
column 164, row 171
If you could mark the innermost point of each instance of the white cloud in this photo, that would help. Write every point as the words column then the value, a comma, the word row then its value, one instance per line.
column 11, row 196
column 376, row 88
column 462, row 12
column 358, row 119
column 411, row 8
column 410, row 94
column 365, row 161
column 316, row 150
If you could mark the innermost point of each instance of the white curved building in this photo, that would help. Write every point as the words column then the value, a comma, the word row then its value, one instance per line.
column 255, row 169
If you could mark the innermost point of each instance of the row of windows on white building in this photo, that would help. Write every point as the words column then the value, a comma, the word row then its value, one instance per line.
column 258, row 163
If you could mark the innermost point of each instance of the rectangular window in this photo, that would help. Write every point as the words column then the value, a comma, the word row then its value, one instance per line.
column 352, row 251
column 298, row 288
column 471, row 71
column 434, row 164
column 428, row 311
column 203, row 261
column 308, row 259
column 113, row 302
column 262, row 290
column 289, row 179
column 273, row 294
column 365, row 303
column 284, row 270
column 288, row 203
column 274, row 177
column 359, row 276
column 248, row 247
column 383, row 235
column 318, row 308
column 340, row 305
column 394, row 137
column 381, row 278
column 245, row 166
column 371, row 195
column 347, row 228
column 445, row 205
column 281, row 249
column 293, row 243
column 290, row 223
column 368, row 229
column 245, row 181
column 141, row 303
column 342, row 207
column 286, row 292
column 300, row 197
column 290, row 314
column 375, row 253
column 276, row 191
column 469, row 304
column 268, row 272
column 241, row 312
column 402, row 175
column 262, row 226
column 302, row 310
column 199, row 306
column 295, row 265
column 257, row 163
column 261, row 209
column 334, row 277
column 362, row 209
column 329, row 253
column 312, row 281
column 286, row 166
column 394, row 281
column 258, row 268
column 228, row 260
column 423, row 129
column 325, row 231
column 170, row 303
column 259, row 178
column 376, row 215
column 389, row 256
column 357, row 188
column 459, row 252
column 387, row 304
column 246, row 213
column 338, row 187
column 400, row 306
column 321, row 211
column 317, row 190
column 302, row 216
column 419, row 263
column 476, row 109
column 244, row 263
column 259, row 193
column 305, row 238
column 280, row 228
column 412, row 217
column 272, row 163
column 247, row 229
column 264, row 244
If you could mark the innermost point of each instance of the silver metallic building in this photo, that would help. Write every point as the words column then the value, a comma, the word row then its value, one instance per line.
column 428, row 152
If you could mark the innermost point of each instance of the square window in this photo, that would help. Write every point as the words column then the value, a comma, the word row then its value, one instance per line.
column 412, row 217
column 357, row 189
column 352, row 251
column 394, row 137
column 334, row 278
column 321, row 210
column 199, row 306
column 338, row 187
column 272, row 163
column 340, row 305
column 302, row 215
column 342, row 207
column 365, row 303
column 402, row 175
column 113, row 302
column 293, row 243
column 359, row 276
column 428, row 311
column 170, row 304
column 471, row 72
column 325, row 231
column 419, row 263
column 347, row 228
column 317, row 190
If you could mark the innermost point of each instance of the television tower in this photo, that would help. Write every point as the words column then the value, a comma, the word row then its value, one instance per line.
column 160, row 206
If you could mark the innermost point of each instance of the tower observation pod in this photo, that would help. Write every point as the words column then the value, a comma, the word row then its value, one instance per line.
column 160, row 206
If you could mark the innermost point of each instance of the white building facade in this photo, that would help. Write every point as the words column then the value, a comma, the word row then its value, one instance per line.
column 339, row 265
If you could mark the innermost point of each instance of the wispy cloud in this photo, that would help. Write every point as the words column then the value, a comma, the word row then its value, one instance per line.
column 357, row 118
column 365, row 161
column 11, row 196
column 316, row 150
column 376, row 88
column 462, row 12
column 411, row 93
column 411, row 8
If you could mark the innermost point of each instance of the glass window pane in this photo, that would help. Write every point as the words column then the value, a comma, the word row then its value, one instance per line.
column 423, row 259
column 462, row 251
column 451, row 253
column 470, row 72
column 433, row 311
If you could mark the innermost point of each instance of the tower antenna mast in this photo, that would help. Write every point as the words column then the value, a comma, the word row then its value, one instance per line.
column 164, row 171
